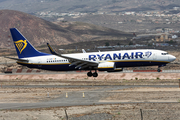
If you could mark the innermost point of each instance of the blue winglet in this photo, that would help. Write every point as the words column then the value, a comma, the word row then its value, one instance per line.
column 51, row 50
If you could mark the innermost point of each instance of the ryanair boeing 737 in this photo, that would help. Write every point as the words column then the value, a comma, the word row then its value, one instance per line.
column 110, row 61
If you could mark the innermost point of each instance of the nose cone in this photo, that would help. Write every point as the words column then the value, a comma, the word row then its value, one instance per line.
column 172, row 58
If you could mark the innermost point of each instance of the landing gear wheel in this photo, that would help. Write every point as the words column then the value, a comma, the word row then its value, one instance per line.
column 158, row 70
column 89, row 74
column 95, row 74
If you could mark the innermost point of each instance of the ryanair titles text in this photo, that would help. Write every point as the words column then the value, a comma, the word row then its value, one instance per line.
column 116, row 56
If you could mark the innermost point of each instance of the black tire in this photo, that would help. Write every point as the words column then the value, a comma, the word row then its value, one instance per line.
column 89, row 74
column 95, row 74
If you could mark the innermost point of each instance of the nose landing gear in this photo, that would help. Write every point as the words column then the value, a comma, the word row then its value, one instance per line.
column 159, row 69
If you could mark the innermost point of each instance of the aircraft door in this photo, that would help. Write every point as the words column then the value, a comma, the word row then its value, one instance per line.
column 39, row 63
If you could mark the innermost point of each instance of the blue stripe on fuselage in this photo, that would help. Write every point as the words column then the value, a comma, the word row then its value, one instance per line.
column 139, row 63
column 54, row 67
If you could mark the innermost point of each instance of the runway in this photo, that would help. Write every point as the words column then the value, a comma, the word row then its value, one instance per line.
column 75, row 98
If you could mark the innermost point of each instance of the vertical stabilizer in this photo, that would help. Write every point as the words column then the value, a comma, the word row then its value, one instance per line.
column 23, row 46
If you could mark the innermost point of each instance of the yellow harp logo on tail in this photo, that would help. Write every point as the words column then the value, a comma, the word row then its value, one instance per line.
column 21, row 45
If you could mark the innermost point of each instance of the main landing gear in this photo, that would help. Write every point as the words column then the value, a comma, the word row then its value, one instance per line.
column 90, row 74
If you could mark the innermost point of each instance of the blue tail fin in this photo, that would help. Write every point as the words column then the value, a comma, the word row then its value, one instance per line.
column 23, row 46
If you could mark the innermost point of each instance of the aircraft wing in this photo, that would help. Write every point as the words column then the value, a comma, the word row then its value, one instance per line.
column 74, row 61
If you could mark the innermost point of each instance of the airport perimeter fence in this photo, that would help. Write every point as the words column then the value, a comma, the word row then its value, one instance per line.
column 133, row 114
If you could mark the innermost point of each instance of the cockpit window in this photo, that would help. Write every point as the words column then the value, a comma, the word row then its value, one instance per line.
column 164, row 53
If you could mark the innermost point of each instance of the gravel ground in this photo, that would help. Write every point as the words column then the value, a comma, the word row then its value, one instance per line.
column 157, row 103
column 150, row 111
column 98, row 116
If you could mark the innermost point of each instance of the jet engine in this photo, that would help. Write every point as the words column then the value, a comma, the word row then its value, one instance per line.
column 109, row 67
column 106, row 66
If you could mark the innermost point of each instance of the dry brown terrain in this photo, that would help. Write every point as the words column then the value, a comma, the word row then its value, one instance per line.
column 108, row 77
column 151, row 111
column 39, row 32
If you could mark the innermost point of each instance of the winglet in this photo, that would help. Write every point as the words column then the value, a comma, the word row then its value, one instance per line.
column 51, row 50
column 83, row 51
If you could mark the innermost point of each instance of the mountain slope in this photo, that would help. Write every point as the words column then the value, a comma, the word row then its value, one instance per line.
column 35, row 29
column 39, row 31
column 31, row 6
column 94, row 32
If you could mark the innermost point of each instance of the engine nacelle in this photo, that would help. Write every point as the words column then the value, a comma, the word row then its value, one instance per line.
column 106, row 66
column 109, row 67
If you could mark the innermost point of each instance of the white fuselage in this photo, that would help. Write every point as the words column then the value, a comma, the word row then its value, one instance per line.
column 124, row 58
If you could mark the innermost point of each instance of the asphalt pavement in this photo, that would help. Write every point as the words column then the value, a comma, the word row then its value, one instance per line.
column 76, row 98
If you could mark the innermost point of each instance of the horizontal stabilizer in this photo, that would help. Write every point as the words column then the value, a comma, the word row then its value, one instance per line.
column 17, row 59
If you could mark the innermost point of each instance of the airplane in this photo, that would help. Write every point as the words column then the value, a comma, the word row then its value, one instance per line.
column 110, row 61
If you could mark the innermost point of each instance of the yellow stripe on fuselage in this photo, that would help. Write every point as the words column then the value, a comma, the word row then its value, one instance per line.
column 104, row 67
